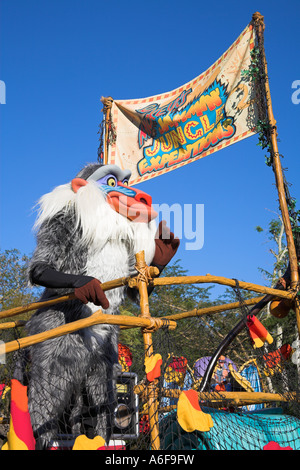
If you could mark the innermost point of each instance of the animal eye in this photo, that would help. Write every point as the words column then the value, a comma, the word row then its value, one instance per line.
column 111, row 181
column 125, row 182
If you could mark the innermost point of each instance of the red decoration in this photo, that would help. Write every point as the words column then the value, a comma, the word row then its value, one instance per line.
column 275, row 446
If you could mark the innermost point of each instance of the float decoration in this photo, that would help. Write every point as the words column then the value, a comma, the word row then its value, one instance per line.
column 171, row 130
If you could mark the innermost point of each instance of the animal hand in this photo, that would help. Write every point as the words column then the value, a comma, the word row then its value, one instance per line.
column 92, row 292
column 166, row 245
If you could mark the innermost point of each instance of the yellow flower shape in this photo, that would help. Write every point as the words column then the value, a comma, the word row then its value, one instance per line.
column 189, row 414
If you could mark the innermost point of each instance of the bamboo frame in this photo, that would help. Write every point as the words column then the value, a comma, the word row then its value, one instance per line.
column 239, row 398
column 258, row 20
column 221, row 399
column 197, row 312
column 149, row 325
column 142, row 284
column 217, row 398
column 163, row 281
column 12, row 324
column 120, row 282
column 96, row 319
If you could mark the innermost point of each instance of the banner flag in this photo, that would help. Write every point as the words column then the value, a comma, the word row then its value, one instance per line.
column 158, row 134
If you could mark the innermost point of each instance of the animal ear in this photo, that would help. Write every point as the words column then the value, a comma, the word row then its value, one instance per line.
column 77, row 183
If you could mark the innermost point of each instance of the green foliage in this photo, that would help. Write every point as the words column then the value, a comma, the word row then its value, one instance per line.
column 14, row 290
column 263, row 129
column 256, row 74
column 275, row 234
column 254, row 71
column 294, row 216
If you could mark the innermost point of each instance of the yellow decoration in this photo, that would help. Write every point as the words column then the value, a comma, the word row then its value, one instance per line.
column 13, row 442
column 123, row 363
column 189, row 414
column 150, row 362
column 172, row 375
column 245, row 384
column 5, row 391
column 152, row 366
column 84, row 443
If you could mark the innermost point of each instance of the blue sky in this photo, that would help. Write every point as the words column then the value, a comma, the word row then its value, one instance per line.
column 59, row 57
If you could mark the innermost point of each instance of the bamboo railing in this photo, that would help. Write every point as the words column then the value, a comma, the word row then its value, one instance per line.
column 238, row 399
column 147, row 277
column 163, row 281
column 122, row 281
column 96, row 319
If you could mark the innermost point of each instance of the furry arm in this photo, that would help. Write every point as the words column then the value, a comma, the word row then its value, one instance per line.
column 43, row 275
column 58, row 253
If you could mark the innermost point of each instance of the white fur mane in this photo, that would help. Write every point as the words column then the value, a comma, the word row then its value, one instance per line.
column 99, row 223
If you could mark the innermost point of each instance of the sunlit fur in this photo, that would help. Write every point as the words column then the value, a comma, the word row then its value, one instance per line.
column 80, row 233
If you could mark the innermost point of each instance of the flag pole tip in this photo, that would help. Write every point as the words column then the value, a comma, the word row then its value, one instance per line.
column 257, row 16
column 106, row 100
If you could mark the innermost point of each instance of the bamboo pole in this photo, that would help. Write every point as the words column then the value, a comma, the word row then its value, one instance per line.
column 12, row 324
column 107, row 102
column 132, row 282
column 197, row 312
column 208, row 278
column 239, row 398
column 122, row 281
column 258, row 20
column 148, row 347
column 96, row 319
column 217, row 400
column 34, row 306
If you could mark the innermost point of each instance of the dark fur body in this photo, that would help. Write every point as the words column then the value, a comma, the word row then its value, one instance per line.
column 88, row 359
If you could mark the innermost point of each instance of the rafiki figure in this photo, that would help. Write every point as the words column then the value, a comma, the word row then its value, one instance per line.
column 88, row 232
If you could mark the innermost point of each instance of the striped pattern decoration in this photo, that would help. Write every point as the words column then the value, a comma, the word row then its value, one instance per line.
column 20, row 434
column 258, row 333
column 153, row 367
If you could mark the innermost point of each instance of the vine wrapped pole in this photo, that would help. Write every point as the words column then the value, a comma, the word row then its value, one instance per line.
column 258, row 21
column 107, row 102
column 142, row 285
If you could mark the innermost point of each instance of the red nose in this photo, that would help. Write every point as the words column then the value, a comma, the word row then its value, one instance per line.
column 143, row 197
column 136, row 207
column 140, row 196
